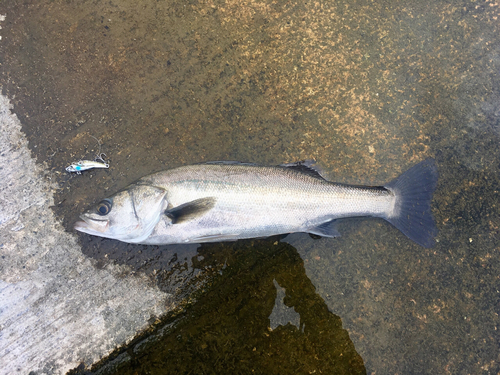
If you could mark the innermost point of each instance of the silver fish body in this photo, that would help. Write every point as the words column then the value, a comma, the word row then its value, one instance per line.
column 228, row 201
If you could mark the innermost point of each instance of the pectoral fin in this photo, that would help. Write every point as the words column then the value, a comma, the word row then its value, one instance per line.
column 190, row 210
column 327, row 229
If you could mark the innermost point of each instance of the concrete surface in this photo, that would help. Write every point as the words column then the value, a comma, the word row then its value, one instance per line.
column 57, row 309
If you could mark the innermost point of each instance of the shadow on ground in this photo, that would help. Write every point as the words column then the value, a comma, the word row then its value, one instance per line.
column 228, row 329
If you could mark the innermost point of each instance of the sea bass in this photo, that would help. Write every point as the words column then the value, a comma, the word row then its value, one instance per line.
column 226, row 201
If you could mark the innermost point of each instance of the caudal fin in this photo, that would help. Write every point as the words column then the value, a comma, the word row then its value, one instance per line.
column 412, row 212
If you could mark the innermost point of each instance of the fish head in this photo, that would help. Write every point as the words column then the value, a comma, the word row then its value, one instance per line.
column 129, row 215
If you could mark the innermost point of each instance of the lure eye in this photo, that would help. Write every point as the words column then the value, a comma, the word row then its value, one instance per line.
column 104, row 207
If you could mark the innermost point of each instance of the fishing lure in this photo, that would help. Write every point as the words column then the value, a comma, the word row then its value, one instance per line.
column 84, row 165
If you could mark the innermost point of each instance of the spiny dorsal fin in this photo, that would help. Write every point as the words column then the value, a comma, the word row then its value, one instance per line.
column 230, row 162
column 306, row 167
column 190, row 210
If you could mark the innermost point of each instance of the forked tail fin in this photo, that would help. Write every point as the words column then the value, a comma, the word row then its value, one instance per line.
column 412, row 211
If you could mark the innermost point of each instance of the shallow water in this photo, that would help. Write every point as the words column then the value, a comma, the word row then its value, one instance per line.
column 367, row 89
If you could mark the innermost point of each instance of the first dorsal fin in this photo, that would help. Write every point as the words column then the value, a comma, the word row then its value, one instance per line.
column 190, row 210
column 306, row 167
column 230, row 162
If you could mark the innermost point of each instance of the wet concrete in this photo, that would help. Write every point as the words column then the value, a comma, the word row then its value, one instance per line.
column 366, row 88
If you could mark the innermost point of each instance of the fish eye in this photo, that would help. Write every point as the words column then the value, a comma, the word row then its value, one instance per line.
column 104, row 207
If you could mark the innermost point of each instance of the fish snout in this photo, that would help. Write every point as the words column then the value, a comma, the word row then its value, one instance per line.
column 91, row 226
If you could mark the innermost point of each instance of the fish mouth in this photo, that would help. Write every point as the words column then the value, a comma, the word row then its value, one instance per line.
column 91, row 226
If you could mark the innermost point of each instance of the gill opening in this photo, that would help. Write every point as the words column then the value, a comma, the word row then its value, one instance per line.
column 133, row 205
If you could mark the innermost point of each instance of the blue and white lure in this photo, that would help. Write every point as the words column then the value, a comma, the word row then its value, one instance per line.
column 84, row 165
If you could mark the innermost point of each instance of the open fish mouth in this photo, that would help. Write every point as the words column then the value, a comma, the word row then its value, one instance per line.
column 92, row 227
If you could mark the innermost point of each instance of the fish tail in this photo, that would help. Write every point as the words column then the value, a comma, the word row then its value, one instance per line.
column 412, row 211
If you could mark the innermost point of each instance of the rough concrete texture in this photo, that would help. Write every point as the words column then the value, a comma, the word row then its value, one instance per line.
column 56, row 308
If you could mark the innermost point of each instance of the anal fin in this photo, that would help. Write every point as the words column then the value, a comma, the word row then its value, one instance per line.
column 328, row 229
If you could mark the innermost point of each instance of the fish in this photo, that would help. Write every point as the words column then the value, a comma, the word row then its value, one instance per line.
column 228, row 201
